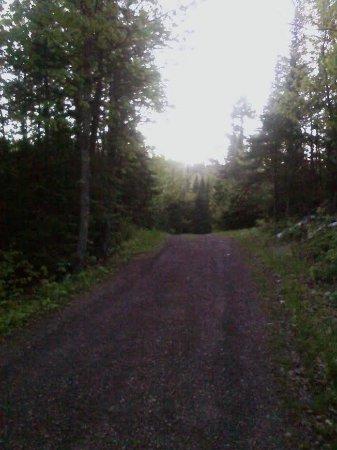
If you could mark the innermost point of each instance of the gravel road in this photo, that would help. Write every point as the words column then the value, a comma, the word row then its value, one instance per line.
column 171, row 353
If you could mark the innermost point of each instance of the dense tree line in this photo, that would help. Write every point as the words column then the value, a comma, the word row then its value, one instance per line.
column 76, row 77
column 289, row 168
column 182, row 200
column 75, row 175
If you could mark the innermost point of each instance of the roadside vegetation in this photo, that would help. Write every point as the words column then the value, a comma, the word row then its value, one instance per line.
column 297, row 274
column 19, row 304
column 81, row 193
column 284, row 179
column 75, row 176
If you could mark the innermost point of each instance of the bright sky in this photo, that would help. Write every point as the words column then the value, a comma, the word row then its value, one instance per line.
column 231, row 53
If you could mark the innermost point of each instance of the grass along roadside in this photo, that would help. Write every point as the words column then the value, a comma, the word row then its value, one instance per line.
column 53, row 295
column 305, row 332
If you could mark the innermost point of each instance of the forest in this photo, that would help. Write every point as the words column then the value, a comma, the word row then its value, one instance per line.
column 289, row 168
column 77, row 178
column 222, row 332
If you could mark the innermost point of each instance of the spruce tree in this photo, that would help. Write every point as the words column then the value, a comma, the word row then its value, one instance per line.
column 202, row 215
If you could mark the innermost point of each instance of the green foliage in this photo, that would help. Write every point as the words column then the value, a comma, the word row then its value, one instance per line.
column 294, row 233
column 289, row 167
column 318, row 245
column 16, row 275
column 202, row 222
column 74, row 78
column 141, row 242
column 16, row 310
column 182, row 200
column 322, row 251
column 305, row 315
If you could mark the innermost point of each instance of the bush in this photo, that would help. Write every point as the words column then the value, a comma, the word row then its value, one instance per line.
column 16, row 275
column 322, row 251
column 295, row 233
column 325, row 269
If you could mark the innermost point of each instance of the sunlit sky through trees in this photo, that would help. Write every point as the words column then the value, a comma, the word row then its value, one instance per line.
column 231, row 52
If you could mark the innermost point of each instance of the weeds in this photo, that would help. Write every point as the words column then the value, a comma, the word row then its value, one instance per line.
column 303, row 296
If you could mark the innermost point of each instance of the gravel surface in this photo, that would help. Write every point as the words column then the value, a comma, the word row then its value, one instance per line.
column 172, row 353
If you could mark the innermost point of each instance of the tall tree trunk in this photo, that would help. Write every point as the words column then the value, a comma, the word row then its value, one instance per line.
column 84, row 145
column 84, row 185
column 46, row 110
column 275, row 184
column 331, row 141
column 3, row 124
column 109, row 154
column 95, row 110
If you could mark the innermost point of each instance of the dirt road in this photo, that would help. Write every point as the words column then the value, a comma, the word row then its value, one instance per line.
column 171, row 353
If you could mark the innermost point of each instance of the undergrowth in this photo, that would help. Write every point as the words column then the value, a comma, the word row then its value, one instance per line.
column 298, row 277
column 20, row 307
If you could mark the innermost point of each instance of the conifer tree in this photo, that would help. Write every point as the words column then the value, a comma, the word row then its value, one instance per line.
column 202, row 215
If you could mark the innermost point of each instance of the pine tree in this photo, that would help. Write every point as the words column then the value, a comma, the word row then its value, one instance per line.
column 202, row 215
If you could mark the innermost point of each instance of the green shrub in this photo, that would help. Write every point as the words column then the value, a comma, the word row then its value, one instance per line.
column 295, row 233
column 322, row 252
column 19, row 301
column 16, row 275
column 325, row 269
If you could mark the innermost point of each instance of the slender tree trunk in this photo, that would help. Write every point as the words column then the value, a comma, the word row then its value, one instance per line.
column 312, row 151
column 84, row 186
column 3, row 124
column 275, row 186
column 96, row 105
column 46, row 111
column 23, row 119
column 84, row 145
column 110, row 155
column 331, row 143
column 23, row 126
